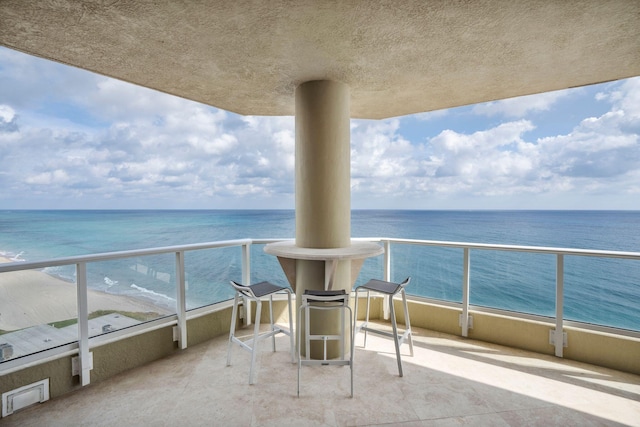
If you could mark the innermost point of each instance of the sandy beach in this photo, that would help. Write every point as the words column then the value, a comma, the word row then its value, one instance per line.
column 29, row 298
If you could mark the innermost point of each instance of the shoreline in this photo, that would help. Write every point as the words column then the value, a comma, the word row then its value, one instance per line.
column 29, row 298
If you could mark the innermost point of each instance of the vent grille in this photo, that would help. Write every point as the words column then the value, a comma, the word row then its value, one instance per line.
column 25, row 396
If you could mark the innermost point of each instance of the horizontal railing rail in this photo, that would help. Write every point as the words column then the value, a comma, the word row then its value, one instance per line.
column 517, row 248
column 84, row 343
column 107, row 256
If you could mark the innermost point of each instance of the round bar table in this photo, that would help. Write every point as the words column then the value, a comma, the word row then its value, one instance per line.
column 288, row 253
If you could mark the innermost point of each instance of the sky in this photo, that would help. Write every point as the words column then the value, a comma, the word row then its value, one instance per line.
column 72, row 139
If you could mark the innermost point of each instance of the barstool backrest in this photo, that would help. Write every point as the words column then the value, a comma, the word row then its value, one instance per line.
column 339, row 295
column 244, row 290
column 400, row 286
column 405, row 282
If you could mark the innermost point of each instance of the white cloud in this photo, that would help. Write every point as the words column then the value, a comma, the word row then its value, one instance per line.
column 57, row 176
column 485, row 162
column 6, row 113
column 431, row 115
column 377, row 146
column 592, row 155
column 520, row 106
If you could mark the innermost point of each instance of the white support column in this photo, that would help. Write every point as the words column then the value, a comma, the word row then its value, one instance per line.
column 323, row 189
column 323, row 165
column 84, row 356
column 466, row 274
column 181, row 301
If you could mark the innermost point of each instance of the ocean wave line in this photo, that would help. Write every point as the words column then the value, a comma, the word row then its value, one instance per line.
column 155, row 294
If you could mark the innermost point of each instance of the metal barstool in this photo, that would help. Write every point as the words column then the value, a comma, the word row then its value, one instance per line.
column 255, row 293
column 325, row 300
column 390, row 289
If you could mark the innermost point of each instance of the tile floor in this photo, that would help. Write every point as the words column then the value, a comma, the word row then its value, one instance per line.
column 450, row 381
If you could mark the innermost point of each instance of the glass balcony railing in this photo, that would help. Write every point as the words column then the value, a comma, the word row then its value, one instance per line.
column 66, row 305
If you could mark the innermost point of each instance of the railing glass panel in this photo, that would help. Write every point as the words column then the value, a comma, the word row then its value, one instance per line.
column 208, row 272
column 436, row 272
column 265, row 267
column 514, row 281
column 372, row 268
column 128, row 291
column 603, row 291
column 41, row 313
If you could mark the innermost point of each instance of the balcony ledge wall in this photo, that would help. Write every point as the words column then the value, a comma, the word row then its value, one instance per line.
column 119, row 356
column 601, row 349
column 620, row 353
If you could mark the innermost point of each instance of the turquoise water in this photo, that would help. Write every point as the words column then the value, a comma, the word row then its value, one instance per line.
column 602, row 291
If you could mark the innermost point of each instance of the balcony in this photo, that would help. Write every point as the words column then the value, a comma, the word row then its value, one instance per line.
column 449, row 381
column 472, row 364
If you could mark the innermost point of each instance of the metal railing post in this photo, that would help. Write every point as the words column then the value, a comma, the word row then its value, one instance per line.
column 466, row 270
column 558, row 334
column 246, row 280
column 181, row 301
column 84, row 356
column 387, row 277
column 387, row 260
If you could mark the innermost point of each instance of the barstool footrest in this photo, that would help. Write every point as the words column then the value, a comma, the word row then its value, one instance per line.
column 247, row 341
column 324, row 362
column 401, row 337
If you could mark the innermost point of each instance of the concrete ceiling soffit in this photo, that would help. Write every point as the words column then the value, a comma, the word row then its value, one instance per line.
column 398, row 57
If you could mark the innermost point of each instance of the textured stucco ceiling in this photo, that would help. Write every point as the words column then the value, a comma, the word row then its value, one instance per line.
column 398, row 57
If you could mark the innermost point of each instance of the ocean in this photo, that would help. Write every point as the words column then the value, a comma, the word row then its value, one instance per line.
column 597, row 290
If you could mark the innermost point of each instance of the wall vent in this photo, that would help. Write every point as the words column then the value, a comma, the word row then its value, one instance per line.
column 22, row 397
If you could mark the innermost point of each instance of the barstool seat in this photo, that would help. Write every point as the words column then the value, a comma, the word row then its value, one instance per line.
column 389, row 289
column 325, row 300
column 256, row 293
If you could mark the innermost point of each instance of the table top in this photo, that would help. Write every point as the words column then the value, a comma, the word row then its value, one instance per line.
column 357, row 250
